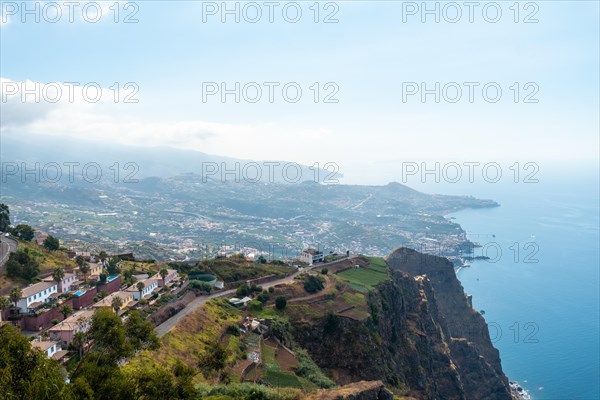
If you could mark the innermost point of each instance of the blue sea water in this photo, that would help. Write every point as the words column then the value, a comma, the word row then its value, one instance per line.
column 542, row 302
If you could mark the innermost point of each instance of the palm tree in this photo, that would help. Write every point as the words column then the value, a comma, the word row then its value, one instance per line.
column 102, row 256
column 15, row 295
column 163, row 274
column 80, row 260
column 84, row 269
column 116, row 303
column 4, row 304
column 140, row 286
column 58, row 274
column 66, row 310
column 79, row 341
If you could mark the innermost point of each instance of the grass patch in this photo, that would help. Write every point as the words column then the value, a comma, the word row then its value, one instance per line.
column 364, row 279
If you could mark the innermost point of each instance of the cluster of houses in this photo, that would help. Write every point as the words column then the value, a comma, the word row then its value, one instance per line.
column 82, row 298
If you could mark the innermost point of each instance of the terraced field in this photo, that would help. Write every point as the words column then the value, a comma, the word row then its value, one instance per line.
column 366, row 278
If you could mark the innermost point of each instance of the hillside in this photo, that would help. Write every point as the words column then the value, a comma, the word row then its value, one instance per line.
column 400, row 321
column 47, row 260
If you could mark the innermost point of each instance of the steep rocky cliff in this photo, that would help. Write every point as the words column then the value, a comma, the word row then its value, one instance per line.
column 422, row 339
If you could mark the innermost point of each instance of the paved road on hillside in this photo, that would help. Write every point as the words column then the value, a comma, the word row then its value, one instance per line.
column 7, row 246
column 166, row 326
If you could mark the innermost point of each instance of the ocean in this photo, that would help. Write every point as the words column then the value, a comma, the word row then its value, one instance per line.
column 540, row 290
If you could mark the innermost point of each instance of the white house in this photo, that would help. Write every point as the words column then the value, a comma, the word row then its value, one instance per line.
column 65, row 284
column 37, row 294
column 311, row 256
column 150, row 285
column 48, row 347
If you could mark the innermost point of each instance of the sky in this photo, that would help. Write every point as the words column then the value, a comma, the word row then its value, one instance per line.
column 361, row 68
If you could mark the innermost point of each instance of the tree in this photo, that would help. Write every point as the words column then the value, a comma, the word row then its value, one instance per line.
column 4, row 217
column 4, row 304
column 314, row 283
column 84, row 269
column 79, row 341
column 51, row 243
column 116, row 303
column 140, row 332
column 242, row 290
column 102, row 256
column 66, row 310
column 280, row 302
column 22, row 265
column 140, row 286
column 15, row 295
column 109, row 334
column 80, row 260
column 24, row 232
column 113, row 266
column 28, row 373
column 163, row 274
column 325, row 271
column 58, row 274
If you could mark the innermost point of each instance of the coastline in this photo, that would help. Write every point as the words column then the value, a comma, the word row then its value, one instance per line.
column 517, row 391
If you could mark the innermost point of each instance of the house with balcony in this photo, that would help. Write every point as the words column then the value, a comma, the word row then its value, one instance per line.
column 68, row 283
column 311, row 256
column 34, row 296
column 150, row 285
column 65, row 331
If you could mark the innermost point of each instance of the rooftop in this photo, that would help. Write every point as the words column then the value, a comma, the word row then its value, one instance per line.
column 42, row 345
column 73, row 321
column 36, row 288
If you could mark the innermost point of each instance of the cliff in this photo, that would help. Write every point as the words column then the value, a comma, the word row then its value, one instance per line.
column 422, row 338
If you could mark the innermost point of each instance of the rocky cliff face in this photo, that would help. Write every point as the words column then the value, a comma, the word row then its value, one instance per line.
column 423, row 338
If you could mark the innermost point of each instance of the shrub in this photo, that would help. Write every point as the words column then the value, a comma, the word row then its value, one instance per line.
column 255, row 305
column 314, row 284
column 233, row 330
column 324, row 271
column 263, row 297
column 280, row 302
column 54, row 321
column 271, row 289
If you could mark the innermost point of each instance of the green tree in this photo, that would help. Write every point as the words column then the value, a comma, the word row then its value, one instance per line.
column 15, row 295
column 313, row 284
column 140, row 287
column 102, row 256
column 22, row 265
column 84, row 268
column 163, row 274
column 79, row 341
column 116, row 303
column 51, row 243
column 325, row 271
column 109, row 334
column 24, row 232
column 280, row 302
column 80, row 260
column 4, row 217
column 58, row 274
column 113, row 266
column 4, row 304
column 66, row 310
column 27, row 373
column 140, row 332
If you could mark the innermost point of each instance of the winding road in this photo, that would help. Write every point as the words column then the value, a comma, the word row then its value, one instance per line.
column 166, row 326
column 7, row 246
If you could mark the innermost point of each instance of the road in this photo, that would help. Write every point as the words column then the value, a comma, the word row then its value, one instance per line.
column 7, row 246
column 166, row 326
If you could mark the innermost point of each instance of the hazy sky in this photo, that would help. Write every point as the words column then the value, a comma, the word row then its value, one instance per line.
column 368, row 60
